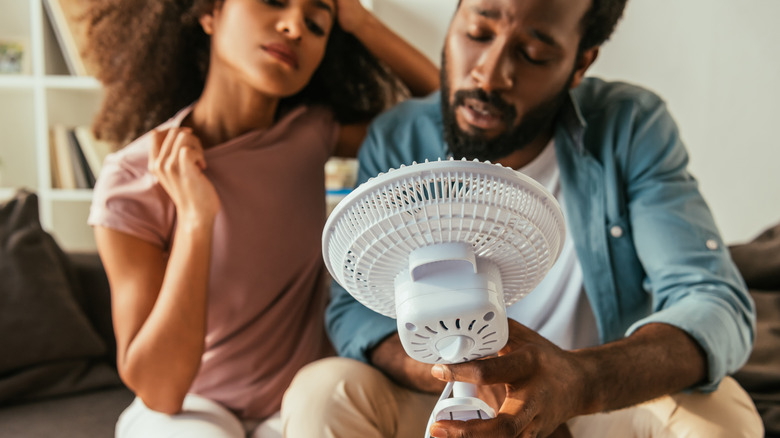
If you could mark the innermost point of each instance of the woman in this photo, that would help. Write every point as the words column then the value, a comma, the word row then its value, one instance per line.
column 209, row 224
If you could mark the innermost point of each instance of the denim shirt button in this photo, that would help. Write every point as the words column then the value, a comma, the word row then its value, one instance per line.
column 712, row 244
column 616, row 231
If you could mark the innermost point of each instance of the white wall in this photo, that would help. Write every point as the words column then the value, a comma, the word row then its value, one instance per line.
column 716, row 63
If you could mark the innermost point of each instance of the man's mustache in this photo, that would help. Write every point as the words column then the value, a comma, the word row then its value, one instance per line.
column 493, row 99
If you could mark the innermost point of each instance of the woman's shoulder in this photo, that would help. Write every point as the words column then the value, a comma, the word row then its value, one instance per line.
column 135, row 155
column 128, row 198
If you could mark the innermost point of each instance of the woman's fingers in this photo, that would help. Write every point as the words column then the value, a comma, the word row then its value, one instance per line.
column 177, row 160
column 158, row 137
column 181, row 144
column 192, row 143
column 165, row 155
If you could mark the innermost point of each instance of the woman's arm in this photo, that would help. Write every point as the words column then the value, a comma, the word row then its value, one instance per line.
column 414, row 69
column 159, row 300
column 159, row 312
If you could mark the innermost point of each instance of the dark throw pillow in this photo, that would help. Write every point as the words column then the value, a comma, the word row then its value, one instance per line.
column 759, row 260
column 47, row 345
column 759, row 263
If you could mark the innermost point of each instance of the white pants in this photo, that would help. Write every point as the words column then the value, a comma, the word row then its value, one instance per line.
column 341, row 398
column 200, row 418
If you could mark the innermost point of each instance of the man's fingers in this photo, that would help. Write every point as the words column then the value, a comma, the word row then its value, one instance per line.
column 503, row 426
column 488, row 371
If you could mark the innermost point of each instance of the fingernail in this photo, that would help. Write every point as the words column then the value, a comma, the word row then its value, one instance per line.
column 438, row 432
column 438, row 372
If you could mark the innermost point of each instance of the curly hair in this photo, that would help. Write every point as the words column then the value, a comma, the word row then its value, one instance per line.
column 600, row 21
column 153, row 58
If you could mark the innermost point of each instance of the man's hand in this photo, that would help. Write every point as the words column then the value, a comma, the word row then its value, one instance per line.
column 543, row 388
column 389, row 357
column 546, row 386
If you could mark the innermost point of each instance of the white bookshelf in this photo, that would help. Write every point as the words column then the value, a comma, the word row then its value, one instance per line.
column 30, row 103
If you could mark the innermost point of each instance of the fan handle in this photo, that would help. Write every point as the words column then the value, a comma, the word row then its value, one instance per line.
column 464, row 405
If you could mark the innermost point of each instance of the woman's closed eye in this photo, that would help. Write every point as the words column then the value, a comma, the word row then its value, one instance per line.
column 479, row 37
column 315, row 28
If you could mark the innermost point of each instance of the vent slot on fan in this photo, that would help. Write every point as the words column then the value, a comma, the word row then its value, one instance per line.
column 478, row 330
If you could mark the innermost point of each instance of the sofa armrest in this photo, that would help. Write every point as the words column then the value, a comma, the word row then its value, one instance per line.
column 95, row 296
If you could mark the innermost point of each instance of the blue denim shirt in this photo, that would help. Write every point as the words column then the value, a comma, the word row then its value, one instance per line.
column 646, row 240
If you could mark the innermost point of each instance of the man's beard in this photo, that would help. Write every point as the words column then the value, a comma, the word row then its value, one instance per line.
column 471, row 146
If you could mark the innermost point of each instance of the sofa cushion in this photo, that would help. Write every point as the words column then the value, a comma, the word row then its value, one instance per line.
column 47, row 345
column 91, row 414
column 92, row 280
column 759, row 260
column 759, row 263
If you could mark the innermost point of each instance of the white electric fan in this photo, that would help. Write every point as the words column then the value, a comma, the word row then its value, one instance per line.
column 444, row 247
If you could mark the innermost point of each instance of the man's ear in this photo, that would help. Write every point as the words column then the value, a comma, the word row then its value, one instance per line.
column 586, row 59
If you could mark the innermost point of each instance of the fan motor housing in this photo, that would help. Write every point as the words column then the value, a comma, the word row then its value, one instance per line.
column 449, row 305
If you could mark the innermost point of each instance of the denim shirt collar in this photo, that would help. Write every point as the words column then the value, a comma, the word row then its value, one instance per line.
column 572, row 122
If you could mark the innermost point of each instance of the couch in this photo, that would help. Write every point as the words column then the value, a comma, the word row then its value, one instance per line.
column 759, row 263
column 88, row 413
column 57, row 367
column 58, row 373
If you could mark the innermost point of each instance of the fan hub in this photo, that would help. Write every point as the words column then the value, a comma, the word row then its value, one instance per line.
column 452, row 348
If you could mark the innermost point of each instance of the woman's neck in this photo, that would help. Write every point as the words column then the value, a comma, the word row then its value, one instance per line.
column 227, row 109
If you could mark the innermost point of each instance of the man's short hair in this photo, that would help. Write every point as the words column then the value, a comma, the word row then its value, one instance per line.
column 599, row 22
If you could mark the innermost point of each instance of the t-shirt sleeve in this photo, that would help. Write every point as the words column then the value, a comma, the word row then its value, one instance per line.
column 127, row 198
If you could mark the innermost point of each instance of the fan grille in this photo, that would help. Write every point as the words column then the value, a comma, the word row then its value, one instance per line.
column 506, row 216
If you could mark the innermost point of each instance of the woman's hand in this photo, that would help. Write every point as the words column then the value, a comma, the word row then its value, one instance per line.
column 176, row 159
column 351, row 14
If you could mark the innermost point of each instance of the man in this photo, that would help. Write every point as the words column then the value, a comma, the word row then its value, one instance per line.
column 641, row 320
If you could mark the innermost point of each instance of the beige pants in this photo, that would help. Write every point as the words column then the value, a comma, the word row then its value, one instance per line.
column 342, row 398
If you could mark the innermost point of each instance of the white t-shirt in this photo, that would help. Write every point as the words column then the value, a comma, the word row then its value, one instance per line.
column 558, row 308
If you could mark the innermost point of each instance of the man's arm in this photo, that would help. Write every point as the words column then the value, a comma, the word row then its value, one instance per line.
column 701, row 325
column 546, row 385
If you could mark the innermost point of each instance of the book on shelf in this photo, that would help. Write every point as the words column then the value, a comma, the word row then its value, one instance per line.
column 84, row 177
column 94, row 150
column 56, row 177
column 60, row 160
column 76, row 157
column 66, row 17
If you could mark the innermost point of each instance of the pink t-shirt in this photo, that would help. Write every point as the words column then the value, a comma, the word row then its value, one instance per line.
column 267, row 285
